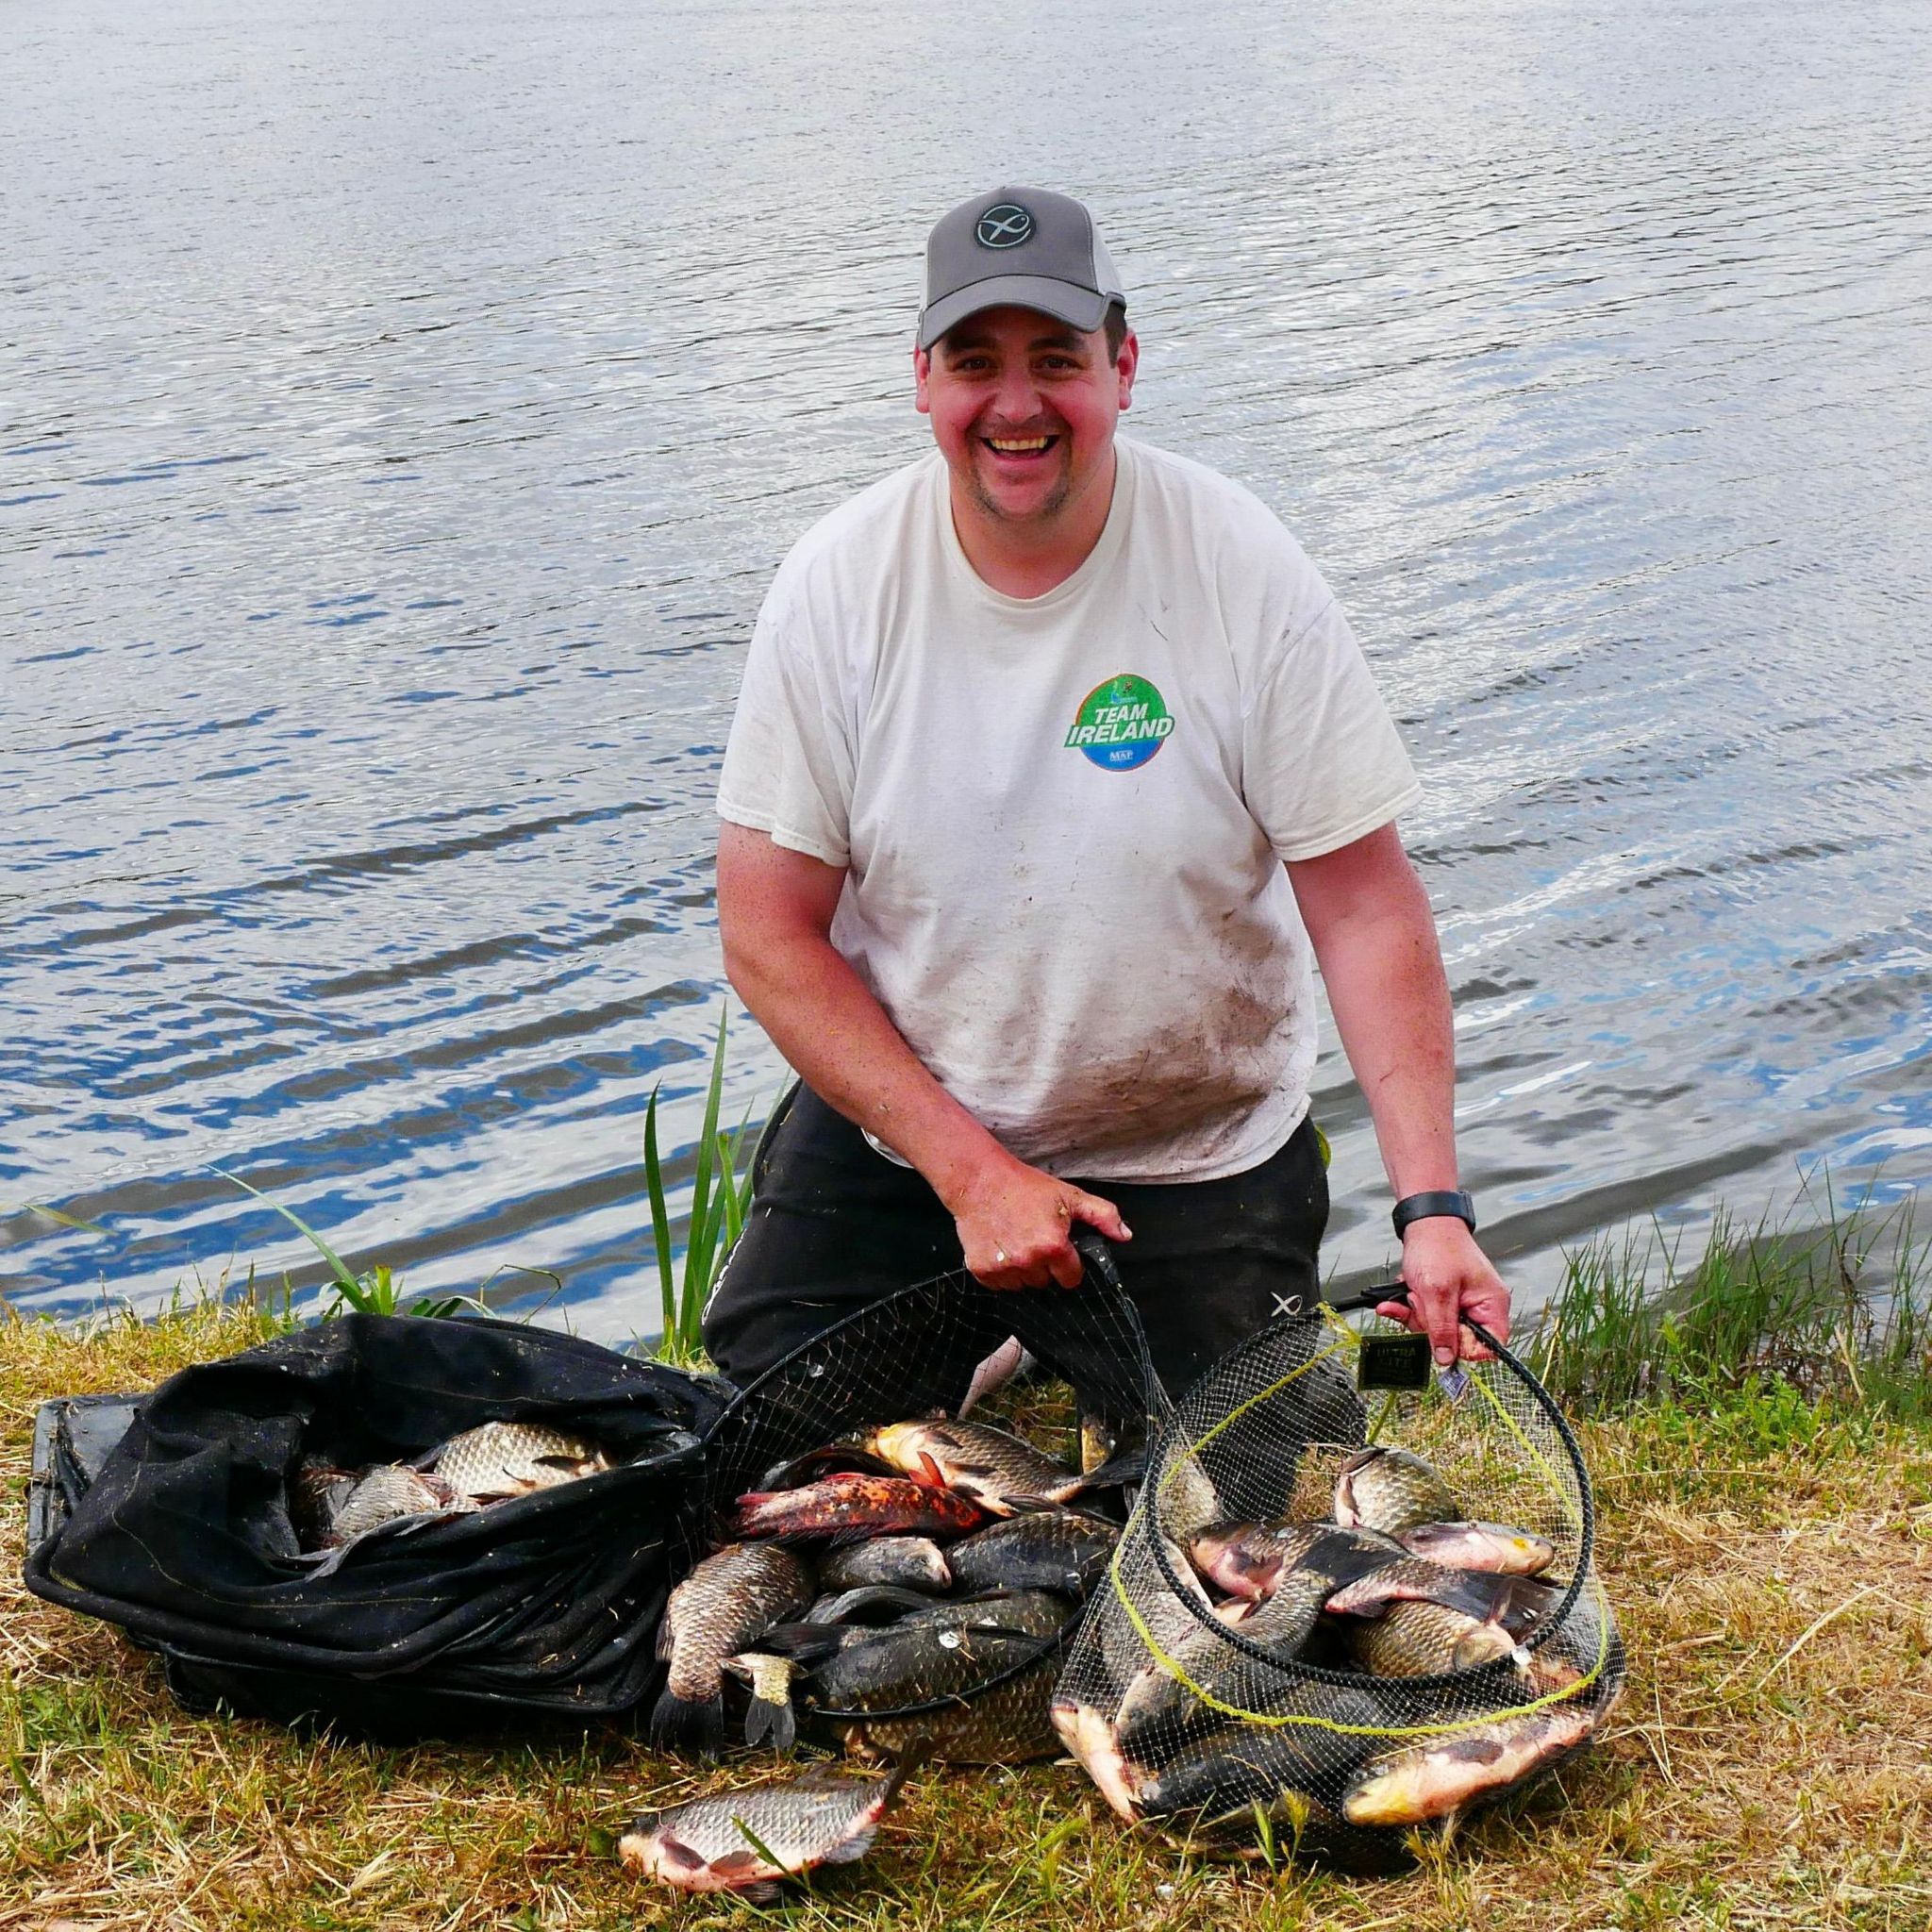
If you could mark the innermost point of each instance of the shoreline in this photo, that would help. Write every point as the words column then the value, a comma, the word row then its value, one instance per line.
column 1769, row 1555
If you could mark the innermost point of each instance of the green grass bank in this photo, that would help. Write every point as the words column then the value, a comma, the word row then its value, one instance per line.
column 1761, row 1435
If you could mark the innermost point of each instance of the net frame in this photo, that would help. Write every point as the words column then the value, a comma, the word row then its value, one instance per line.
column 777, row 1416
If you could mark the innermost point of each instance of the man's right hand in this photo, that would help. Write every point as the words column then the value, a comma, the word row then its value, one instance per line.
column 1016, row 1225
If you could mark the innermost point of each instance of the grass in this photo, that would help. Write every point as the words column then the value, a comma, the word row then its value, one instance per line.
column 1821, row 1303
column 1768, row 1543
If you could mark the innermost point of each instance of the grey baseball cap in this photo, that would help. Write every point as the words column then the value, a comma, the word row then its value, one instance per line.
column 1028, row 246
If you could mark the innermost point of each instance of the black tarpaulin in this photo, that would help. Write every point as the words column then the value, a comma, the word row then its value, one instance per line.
column 545, row 1603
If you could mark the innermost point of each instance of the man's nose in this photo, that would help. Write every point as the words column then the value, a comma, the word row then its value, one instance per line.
column 1018, row 395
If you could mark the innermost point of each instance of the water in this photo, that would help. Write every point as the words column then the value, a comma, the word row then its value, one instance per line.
column 401, row 411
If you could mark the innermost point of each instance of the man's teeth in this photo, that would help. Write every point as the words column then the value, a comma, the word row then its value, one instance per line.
column 1018, row 445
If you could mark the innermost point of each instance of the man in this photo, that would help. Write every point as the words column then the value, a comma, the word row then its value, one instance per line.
column 1054, row 761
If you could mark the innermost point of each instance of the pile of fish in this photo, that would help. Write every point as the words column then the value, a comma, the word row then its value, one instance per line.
column 1396, row 1584
column 903, row 1588
column 331, row 1507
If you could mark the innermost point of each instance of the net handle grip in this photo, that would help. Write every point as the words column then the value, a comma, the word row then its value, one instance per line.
column 1369, row 1298
column 1096, row 1256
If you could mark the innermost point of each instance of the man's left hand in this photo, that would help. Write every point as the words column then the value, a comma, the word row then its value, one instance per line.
column 1447, row 1276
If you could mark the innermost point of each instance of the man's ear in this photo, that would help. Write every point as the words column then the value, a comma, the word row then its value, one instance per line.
column 922, row 369
column 1129, row 361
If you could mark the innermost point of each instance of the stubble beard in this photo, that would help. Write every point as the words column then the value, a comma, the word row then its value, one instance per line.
column 1043, row 513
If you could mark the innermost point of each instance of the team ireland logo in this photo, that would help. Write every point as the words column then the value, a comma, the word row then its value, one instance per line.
column 1121, row 724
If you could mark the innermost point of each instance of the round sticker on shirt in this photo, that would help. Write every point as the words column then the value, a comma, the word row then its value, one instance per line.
column 1121, row 724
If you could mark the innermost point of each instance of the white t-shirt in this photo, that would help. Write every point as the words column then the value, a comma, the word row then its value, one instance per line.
column 1063, row 817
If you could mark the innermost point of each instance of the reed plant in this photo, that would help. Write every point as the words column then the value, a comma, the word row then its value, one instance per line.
column 1834, row 1307
column 720, row 1199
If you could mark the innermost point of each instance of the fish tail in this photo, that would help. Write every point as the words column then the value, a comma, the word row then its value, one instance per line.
column 915, row 1754
column 766, row 1721
column 1128, row 1466
column 697, row 1720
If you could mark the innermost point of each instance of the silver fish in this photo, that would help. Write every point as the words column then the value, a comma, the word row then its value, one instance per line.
column 1480, row 1546
column 749, row 1841
column 1010, row 1358
column 998, row 1470
column 502, row 1460
column 388, row 1492
column 1431, row 1780
column 1391, row 1490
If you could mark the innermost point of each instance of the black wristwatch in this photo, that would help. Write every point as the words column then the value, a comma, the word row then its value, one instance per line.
column 1425, row 1207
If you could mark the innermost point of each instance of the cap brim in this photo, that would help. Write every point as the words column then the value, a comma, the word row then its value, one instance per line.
column 1080, row 309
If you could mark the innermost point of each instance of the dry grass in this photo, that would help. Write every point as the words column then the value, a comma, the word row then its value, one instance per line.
column 1771, row 1766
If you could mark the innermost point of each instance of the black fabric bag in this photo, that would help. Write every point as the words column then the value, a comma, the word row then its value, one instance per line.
column 543, row 1605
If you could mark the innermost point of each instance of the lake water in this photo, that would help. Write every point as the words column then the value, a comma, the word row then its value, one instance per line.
column 402, row 411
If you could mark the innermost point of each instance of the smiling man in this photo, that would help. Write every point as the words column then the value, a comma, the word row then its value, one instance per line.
column 1054, row 772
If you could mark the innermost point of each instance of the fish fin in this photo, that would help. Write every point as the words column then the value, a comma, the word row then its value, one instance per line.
column 666, row 1638
column 764, row 1892
column 679, row 1853
column 682, row 1720
column 909, row 1760
column 766, row 1721
column 928, row 1475
column 1124, row 1466
column 853, row 1848
column 743, row 1859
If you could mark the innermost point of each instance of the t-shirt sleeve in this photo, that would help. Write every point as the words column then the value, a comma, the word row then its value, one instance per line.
column 1321, row 764
column 787, row 762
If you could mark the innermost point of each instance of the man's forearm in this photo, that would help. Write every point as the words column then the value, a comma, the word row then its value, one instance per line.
column 825, row 1021
column 1383, row 970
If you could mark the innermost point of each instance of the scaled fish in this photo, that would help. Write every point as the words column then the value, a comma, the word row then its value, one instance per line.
column 1391, row 1490
column 748, row 1840
column 1045, row 1549
column 730, row 1600
column 503, row 1459
column 1247, row 1560
column 1430, row 1780
column 914, row 1662
column 1480, row 1546
column 907, row 1562
column 1089, row 1734
column 1423, row 1639
column 1006, row 1725
column 1000, row 1471
column 853, row 1508
column 386, row 1493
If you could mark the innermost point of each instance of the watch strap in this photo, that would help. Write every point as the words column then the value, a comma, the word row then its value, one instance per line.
column 1443, row 1201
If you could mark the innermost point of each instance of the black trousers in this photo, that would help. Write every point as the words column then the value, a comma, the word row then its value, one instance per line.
column 834, row 1225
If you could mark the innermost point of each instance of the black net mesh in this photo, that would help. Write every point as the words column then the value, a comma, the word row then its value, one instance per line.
column 1340, row 1612
column 914, row 1355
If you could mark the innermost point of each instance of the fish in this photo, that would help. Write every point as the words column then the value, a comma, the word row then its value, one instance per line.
column 1169, row 1617
column 1011, row 1358
column 1031, row 1612
column 998, row 1470
column 1092, row 1739
column 1162, row 1702
column 855, row 1507
column 916, row 1662
column 1423, row 1639
column 1430, row 1780
column 1220, row 1777
column 1480, row 1546
column 317, row 1490
column 726, row 1603
column 1008, row 1724
column 1247, row 1560
column 829, row 1460
column 1480, row 1594
column 1047, row 1549
column 387, row 1493
column 770, row 1673
column 1163, row 1705
column 1391, row 1490
column 750, row 1840
column 871, row 1603
column 909, row 1562
column 502, row 1460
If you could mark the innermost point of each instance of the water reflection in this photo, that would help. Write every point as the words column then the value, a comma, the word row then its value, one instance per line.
column 400, row 420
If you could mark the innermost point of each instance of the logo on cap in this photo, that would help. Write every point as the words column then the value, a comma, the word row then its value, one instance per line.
column 1003, row 227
